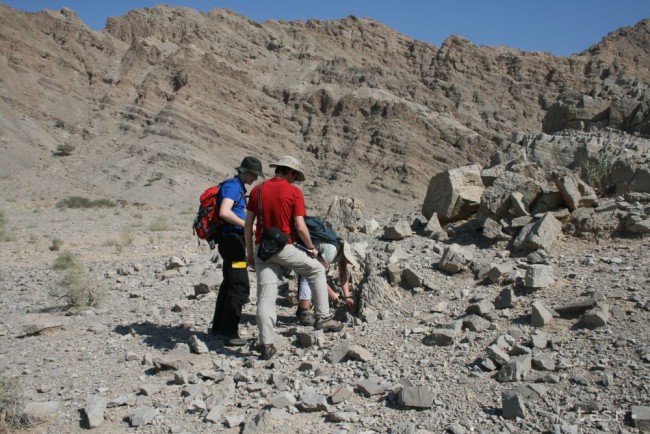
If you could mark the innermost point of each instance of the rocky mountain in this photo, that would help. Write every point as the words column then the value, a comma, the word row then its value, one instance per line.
column 163, row 100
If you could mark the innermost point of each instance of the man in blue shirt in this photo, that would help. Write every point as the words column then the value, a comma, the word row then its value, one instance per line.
column 235, row 288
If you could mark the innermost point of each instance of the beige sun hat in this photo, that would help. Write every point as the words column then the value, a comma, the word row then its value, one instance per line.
column 291, row 163
column 349, row 256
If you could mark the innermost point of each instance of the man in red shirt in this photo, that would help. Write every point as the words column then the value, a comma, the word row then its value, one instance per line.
column 283, row 206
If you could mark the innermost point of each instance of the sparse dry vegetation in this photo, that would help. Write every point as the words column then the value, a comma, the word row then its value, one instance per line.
column 65, row 261
column 596, row 171
column 65, row 150
column 12, row 406
column 79, row 289
column 159, row 225
column 3, row 228
column 56, row 244
column 83, row 202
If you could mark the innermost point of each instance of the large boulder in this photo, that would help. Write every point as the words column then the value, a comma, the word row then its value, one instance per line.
column 538, row 234
column 497, row 200
column 454, row 194
column 577, row 115
column 575, row 192
column 345, row 213
column 631, row 175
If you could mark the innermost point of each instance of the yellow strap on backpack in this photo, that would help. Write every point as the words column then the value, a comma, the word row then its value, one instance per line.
column 241, row 264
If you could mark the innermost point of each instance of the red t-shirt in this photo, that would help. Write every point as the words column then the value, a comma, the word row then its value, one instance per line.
column 281, row 202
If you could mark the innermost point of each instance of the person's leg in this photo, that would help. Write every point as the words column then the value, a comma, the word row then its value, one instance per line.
column 239, row 284
column 267, row 291
column 221, row 321
column 304, row 293
column 312, row 271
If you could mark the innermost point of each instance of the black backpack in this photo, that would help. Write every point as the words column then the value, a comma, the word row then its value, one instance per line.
column 322, row 231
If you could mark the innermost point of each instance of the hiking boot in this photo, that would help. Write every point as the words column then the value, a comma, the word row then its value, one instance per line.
column 307, row 318
column 235, row 342
column 231, row 341
column 328, row 325
column 268, row 351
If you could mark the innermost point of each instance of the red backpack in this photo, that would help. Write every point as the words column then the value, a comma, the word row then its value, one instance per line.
column 207, row 224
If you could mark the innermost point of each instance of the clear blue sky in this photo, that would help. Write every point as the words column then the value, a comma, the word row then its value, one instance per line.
column 562, row 27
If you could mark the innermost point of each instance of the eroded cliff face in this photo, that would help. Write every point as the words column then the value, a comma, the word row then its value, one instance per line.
column 178, row 96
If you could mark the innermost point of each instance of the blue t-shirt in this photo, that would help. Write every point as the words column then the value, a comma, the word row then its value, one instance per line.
column 234, row 190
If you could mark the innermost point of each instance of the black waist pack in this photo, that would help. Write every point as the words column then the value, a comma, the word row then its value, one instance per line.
column 273, row 240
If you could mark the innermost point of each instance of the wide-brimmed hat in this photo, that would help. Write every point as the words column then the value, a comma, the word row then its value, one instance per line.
column 251, row 164
column 291, row 163
column 349, row 256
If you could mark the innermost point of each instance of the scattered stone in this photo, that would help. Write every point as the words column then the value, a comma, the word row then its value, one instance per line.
column 95, row 408
column 370, row 388
column 596, row 317
column 174, row 263
column 129, row 400
column 339, row 353
column 539, row 340
column 214, row 414
column 516, row 370
column 340, row 395
column 505, row 299
column 233, row 421
column 198, row 346
column 259, row 424
column 481, row 308
column 38, row 410
column 575, row 192
column 415, row 397
column 513, row 405
column 311, row 401
column 475, row 323
column 540, row 315
column 143, row 416
column 577, row 307
column 493, row 230
column 174, row 361
column 201, row 289
column 40, row 324
column 282, row 400
column 455, row 258
column 441, row 337
column 359, row 353
column 539, row 234
column 434, row 230
column 498, row 272
column 411, row 278
column 544, row 363
column 150, row 389
column 538, row 276
column 398, row 231
column 499, row 356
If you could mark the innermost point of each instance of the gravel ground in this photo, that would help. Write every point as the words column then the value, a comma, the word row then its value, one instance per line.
column 588, row 382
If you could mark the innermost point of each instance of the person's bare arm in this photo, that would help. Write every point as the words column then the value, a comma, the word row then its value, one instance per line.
column 303, row 233
column 226, row 213
column 248, row 237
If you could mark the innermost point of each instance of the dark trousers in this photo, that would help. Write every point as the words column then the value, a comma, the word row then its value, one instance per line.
column 234, row 290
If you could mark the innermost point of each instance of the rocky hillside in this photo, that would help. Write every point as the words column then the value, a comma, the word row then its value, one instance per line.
column 164, row 99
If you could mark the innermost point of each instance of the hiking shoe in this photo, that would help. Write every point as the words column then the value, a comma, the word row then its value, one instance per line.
column 307, row 318
column 328, row 325
column 268, row 351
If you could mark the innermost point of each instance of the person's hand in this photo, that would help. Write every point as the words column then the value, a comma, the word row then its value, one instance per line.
column 351, row 304
column 313, row 252
column 334, row 297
